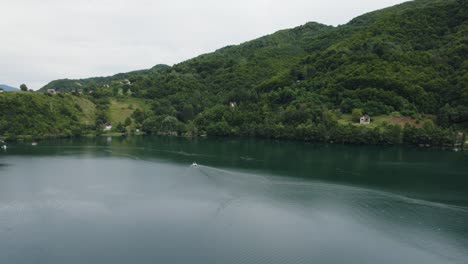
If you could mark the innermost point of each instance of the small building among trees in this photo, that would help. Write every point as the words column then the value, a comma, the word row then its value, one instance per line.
column 108, row 127
column 51, row 91
column 365, row 120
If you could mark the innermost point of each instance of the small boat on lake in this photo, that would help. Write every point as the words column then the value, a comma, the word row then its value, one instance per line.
column 4, row 147
column 34, row 144
column 194, row 164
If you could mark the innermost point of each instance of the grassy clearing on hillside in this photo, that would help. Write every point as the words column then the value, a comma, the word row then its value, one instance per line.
column 87, row 108
column 121, row 108
column 390, row 119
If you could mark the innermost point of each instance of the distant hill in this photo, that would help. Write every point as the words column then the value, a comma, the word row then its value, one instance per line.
column 9, row 88
column 66, row 85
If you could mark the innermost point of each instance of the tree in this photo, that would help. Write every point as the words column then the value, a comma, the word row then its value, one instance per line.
column 127, row 122
column 357, row 114
column 23, row 87
column 120, row 128
column 139, row 115
column 168, row 124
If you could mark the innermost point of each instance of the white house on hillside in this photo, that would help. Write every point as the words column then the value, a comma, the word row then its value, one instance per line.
column 365, row 120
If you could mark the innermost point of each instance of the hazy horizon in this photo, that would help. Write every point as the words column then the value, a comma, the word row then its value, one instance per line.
column 53, row 39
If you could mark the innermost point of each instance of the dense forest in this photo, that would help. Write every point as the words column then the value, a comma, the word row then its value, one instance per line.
column 406, row 66
column 39, row 115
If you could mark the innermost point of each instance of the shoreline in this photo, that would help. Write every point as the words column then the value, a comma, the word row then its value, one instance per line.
column 30, row 139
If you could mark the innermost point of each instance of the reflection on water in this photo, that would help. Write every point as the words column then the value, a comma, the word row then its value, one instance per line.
column 138, row 200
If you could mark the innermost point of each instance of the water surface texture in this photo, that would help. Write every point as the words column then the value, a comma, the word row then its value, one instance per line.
column 138, row 200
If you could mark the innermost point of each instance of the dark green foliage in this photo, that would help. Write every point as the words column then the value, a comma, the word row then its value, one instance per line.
column 165, row 125
column 357, row 114
column 38, row 115
column 429, row 135
column 23, row 87
column 139, row 116
column 120, row 128
column 127, row 122
column 102, row 106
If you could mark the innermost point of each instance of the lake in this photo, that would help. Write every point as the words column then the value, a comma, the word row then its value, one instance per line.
column 138, row 200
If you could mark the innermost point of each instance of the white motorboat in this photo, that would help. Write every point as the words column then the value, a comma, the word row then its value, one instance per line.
column 194, row 164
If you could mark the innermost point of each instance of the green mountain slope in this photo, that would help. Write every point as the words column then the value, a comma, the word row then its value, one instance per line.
column 413, row 60
column 409, row 60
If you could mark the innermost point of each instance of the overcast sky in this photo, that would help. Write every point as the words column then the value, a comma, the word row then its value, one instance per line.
column 44, row 40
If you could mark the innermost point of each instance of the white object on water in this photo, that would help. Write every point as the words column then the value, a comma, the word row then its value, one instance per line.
column 34, row 144
column 194, row 164
column 4, row 147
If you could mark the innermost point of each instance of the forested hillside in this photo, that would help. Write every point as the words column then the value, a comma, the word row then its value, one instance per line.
column 40, row 115
column 406, row 65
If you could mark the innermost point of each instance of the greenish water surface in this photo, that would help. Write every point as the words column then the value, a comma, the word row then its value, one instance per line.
column 138, row 200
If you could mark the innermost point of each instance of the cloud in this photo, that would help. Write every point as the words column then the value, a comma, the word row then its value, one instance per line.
column 51, row 39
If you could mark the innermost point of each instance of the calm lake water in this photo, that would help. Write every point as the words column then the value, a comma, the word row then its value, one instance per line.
column 138, row 200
